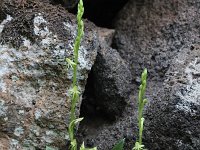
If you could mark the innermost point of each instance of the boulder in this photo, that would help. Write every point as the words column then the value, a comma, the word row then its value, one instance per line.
column 34, row 103
column 112, row 77
column 173, row 123
column 162, row 36
column 107, row 97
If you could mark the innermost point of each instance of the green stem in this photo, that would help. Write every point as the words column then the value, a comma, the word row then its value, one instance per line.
column 72, row 111
column 75, row 92
column 140, row 127
column 141, row 103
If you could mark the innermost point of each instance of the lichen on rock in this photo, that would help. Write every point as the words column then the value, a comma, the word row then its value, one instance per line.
column 34, row 107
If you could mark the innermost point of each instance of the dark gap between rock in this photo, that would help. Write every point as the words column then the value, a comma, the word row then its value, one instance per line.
column 102, row 12
column 2, row 15
column 94, row 116
column 90, row 110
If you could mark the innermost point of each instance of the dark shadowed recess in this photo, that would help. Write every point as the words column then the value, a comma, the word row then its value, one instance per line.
column 94, row 116
column 102, row 12
column 2, row 14
column 90, row 109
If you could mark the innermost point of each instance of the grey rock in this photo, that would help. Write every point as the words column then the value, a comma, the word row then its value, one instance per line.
column 112, row 78
column 175, row 120
column 107, row 97
column 34, row 80
column 162, row 36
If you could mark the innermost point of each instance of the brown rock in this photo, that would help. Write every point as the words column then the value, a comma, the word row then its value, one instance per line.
column 35, row 41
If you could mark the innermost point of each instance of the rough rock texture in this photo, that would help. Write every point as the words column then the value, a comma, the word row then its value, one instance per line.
column 112, row 78
column 106, row 98
column 162, row 36
column 174, row 122
column 35, row 41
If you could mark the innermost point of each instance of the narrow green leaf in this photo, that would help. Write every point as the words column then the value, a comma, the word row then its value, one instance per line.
column 119, row 145
column 78, row 120
column 82, row 146
column 71, row 128
column 70, row 63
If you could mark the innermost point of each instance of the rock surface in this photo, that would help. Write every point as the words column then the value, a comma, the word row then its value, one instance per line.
column 35, row 41
column 162, row 36
column 106, row 98
column 174, row 122
column 112, row 77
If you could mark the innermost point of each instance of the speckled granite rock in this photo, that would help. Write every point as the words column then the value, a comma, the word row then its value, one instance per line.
column 34, row 43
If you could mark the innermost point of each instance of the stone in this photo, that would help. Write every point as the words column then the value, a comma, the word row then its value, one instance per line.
column 162, row 36
column 34, row 79
column 106, row 97
column 112, row 77
column 175, row 120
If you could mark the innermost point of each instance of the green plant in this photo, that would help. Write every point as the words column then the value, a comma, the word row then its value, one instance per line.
column 141, row 103
column 74, row 92
column 119, row 145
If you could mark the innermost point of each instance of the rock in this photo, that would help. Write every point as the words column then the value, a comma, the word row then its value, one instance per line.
column 106, row 97
column 112, row 78
column 160, row 36
column 69, row 4
column 175, row 120
column 34, row 107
